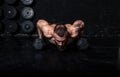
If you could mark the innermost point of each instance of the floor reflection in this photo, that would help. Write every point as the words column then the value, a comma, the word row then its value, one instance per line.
column 18, row 54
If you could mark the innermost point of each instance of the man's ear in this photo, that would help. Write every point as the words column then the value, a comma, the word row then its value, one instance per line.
column 78, row 23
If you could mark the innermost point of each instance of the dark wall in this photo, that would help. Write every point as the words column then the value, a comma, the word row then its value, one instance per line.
column 103, row 13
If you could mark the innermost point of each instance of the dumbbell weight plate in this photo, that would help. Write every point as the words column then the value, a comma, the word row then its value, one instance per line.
column 27, row 2
column 82, row 43
column 10, row 1
column 11, row 26
column 38, row 44
column 27, row 12
column 10, row 12
column 27, row 26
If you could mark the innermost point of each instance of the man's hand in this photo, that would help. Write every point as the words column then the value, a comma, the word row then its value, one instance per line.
column 78, row 23
column 78, row 27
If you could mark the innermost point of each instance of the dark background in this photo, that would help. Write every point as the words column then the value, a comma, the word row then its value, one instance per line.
column 102, row 31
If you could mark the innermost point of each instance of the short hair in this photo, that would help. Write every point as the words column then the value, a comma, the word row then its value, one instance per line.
column 60, row 30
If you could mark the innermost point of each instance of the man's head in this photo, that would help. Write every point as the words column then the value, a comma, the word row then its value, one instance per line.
column 60, row 35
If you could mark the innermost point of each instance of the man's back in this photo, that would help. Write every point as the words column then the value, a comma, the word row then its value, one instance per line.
column 58, row 34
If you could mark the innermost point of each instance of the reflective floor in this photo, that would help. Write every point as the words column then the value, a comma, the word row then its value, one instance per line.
column 17, row 54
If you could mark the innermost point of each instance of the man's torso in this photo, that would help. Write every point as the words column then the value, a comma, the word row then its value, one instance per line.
column 48, row 30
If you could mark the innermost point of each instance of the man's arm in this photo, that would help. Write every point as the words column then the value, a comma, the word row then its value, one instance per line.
column 39, row 33
column 40, row 24
column 78, row 23
column 77, row 28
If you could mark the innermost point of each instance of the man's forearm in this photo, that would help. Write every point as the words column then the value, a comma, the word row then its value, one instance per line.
column 39, row 33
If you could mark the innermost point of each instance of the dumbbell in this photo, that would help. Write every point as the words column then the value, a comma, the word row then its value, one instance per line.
column 27, row 26
column 27, row 2
column 11, row 27
column 27, row 13
column 38, row 44
column 10, row 12
column 82, row 44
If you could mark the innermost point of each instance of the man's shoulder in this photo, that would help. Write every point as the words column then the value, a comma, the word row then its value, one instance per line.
column 42, row 23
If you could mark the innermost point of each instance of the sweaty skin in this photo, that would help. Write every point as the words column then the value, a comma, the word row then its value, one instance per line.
column 46, row 29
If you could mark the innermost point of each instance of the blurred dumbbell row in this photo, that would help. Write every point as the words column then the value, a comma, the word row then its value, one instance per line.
column 15, row 18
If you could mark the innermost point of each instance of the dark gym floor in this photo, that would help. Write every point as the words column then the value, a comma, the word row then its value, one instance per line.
column 17, row 54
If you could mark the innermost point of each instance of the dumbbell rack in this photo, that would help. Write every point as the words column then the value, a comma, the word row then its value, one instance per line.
column 16, row 17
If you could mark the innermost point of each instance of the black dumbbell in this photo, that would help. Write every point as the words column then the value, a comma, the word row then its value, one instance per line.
column 38, row 44
column 10, row 12
column 11, row 27
column 10, row 1
column 27, row 13
column 27, row 26
column 27, row 2
column 82, row 43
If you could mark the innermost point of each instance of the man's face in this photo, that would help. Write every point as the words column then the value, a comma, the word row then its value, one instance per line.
column 60, row 41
